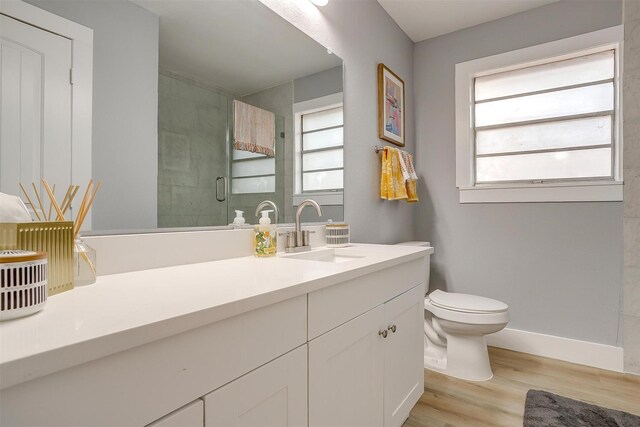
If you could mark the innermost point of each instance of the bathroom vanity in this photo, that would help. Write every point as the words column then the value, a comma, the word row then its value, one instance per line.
column 331, row 337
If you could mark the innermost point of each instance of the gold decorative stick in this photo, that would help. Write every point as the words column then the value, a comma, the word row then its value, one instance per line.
column 39, row 200
column 53, row 200
column 71, row 197
column 35, row 210
column 87, row 207
column 51, row 203
column 64, row 200
column 78, row 223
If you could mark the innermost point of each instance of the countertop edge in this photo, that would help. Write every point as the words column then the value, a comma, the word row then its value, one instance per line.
column 17, row 371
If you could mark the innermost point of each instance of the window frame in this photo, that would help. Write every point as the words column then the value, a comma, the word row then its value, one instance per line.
column 558, row 190
column 328, row 197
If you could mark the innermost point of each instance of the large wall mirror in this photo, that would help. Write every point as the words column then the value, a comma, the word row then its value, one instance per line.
column 246, row 108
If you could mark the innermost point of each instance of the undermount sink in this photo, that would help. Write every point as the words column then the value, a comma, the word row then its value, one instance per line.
column 327, row 255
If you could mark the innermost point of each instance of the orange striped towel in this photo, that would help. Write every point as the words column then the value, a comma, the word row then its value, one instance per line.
column 254, row 129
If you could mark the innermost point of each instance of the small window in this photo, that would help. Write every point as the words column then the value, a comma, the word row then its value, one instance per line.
column 252, row 173
column 548, row 122
column 320, row 154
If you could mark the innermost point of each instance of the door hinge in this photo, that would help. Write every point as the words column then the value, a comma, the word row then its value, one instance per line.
column 71, row 76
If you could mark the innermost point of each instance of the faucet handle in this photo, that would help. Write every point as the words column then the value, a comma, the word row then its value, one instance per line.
column 291, row 238
column 305, row 237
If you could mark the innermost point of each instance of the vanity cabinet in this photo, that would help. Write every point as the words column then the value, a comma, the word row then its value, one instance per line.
column 274, row 395
column 191, row 415
column 145, row 383
column 349, row 353
column 369, row 371
column 346, row 374
column 403, row 381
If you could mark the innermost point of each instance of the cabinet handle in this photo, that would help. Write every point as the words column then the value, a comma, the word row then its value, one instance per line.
column 383, row 333
column 392, row 328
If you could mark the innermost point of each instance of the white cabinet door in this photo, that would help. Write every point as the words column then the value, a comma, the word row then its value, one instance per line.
column 274, row 395
column 191, row 415
column 35, row 112
column 403, row 355
column 345, row 374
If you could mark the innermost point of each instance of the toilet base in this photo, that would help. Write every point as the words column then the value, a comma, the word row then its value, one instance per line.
column 465, row 357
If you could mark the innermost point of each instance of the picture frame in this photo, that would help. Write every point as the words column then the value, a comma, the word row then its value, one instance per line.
column 391, row 106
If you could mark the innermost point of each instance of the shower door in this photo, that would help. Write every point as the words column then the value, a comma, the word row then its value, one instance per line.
column 193, row 128
column 256, row 177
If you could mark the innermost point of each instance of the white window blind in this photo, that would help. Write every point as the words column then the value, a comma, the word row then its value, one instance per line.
column 252, row 173
column 321, row 151
column 549, row 122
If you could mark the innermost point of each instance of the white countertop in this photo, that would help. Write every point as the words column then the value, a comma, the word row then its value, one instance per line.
column 122, row 311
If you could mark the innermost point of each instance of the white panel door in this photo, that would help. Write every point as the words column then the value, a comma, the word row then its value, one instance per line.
column 345, row 374
column 403, row 355
column 274, row 395
column 191, row 415
column 35, row 118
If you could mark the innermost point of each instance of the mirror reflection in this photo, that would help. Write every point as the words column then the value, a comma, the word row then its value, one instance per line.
column 248, row 109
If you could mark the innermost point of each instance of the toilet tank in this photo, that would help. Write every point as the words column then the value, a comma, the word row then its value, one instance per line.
column 427, row 272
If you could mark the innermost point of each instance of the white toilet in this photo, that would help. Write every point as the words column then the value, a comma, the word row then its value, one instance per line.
column 455, row 326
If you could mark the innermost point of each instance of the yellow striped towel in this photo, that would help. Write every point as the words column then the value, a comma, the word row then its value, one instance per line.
column 392, row 184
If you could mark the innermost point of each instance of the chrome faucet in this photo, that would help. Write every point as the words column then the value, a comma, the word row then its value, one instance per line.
column 266, row 203
column 298, row 241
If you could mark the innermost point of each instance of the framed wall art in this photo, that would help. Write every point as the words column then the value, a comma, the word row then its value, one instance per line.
column 390, row 106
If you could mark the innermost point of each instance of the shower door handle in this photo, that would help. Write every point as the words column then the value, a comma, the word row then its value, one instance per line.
column 224, row 188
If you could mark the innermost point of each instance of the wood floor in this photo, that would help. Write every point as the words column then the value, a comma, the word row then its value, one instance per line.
column 500, row 401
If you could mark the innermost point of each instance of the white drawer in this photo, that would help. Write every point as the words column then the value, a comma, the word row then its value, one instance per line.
column 191, row 415
column 273, row 395
column 138, row 386
column 331, row 307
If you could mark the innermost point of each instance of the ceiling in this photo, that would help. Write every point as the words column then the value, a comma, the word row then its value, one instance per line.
column 240, row 46
column 424, row 19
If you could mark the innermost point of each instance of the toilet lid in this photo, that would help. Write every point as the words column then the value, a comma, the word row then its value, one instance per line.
column 466, row 303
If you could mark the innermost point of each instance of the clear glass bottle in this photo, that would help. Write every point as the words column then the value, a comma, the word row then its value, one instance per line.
column 84, row 263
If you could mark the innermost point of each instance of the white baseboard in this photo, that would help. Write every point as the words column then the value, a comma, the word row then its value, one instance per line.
column 567, row 349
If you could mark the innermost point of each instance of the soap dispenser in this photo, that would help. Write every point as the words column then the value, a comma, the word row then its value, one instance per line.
column 264, row 241
column 238, row 221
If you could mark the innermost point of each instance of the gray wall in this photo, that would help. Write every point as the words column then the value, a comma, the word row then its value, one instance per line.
column 317, row 85
column 557, row 265
column 125, row 87
column 632, row 187
column 363, row 35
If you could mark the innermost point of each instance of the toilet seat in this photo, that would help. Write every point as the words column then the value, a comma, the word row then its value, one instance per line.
column 464, row 308
column 466, row 303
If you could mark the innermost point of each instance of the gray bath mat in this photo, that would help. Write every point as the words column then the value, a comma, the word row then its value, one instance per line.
column 550, row 410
